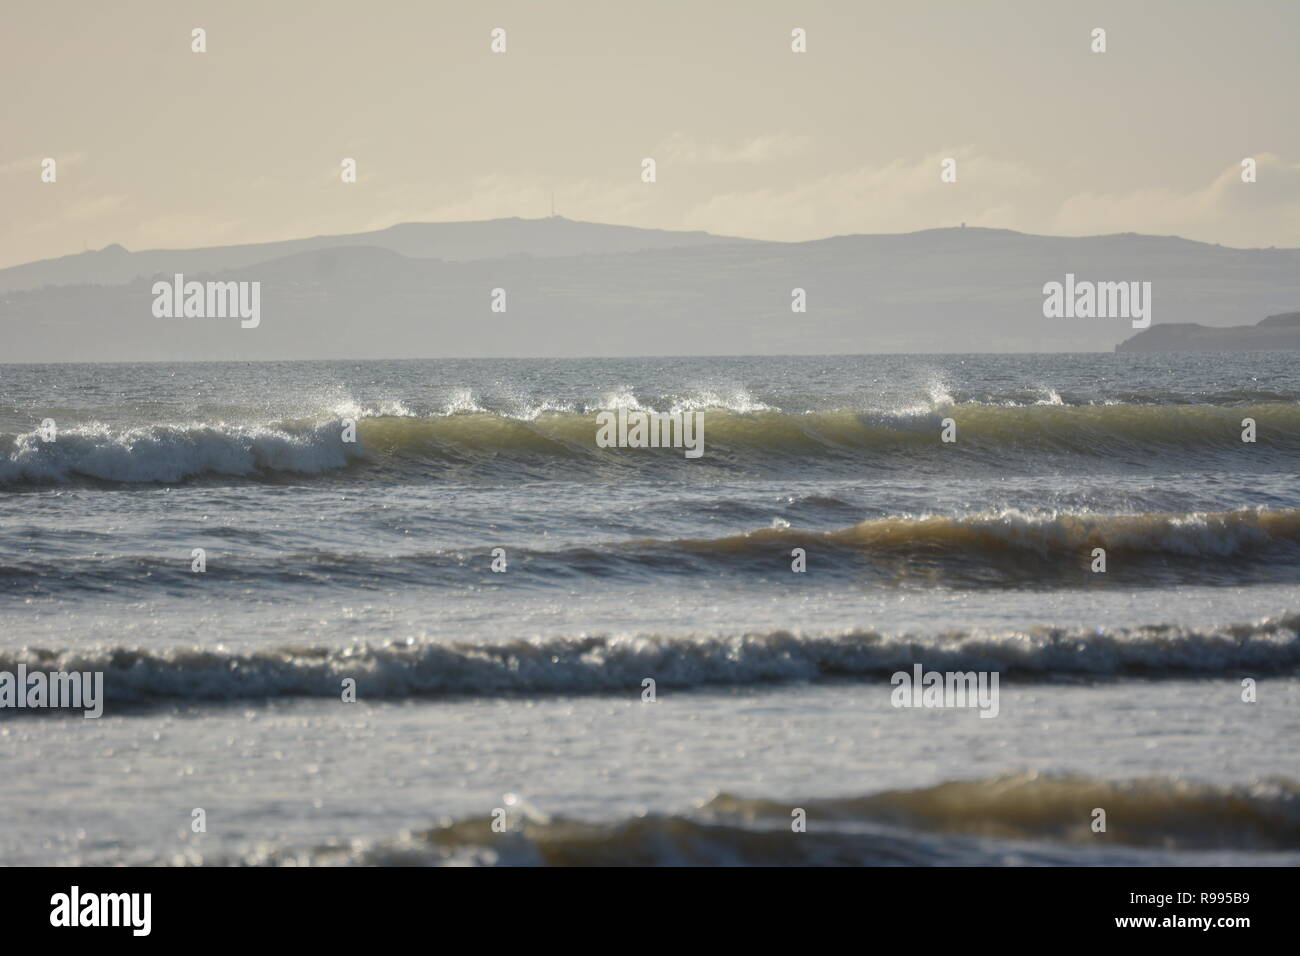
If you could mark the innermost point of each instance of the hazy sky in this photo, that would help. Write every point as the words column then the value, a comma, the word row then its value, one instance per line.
column 158, row 146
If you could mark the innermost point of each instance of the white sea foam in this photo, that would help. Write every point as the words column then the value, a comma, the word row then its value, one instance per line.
column 599, row 664
column 168, row 453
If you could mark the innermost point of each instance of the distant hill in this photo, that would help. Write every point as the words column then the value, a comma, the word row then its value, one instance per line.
column 457, row 241
column 1270, row 334
column 586, row 289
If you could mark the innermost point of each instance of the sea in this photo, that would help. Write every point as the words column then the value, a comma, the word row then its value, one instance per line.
column 411, row 612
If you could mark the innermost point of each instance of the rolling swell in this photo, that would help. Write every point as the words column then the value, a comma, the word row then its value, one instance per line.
column 563, row 443
column 951, row 823
column 985, row 536
column 1006, row 549
column 135, row 677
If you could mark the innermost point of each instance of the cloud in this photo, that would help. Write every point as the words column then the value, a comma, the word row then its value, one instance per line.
column 93, row 208
column 180, row 231
column 1265, row 212
column 738, row 188
column 31, row 164
column 900, row 196
column 993, row 191
column 497, row 196
column 685, row 151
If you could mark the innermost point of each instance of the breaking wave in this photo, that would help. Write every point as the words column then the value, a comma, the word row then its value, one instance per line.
column 748, row 433
column 1013, row 819
column 618, row 664
column 171, row 453
column 1195, row 534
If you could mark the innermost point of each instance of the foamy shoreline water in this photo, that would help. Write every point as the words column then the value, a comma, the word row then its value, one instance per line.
column 703, row 776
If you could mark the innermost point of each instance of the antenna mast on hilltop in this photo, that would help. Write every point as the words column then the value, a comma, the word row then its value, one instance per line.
column 552, row 203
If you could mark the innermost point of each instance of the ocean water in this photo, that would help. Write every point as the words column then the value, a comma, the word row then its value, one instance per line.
column 517, row 695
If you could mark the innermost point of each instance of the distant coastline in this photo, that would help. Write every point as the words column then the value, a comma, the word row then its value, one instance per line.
column 1273, row 333
column 554, row 287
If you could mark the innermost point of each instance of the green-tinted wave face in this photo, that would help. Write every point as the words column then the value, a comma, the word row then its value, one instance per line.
column 971, row 822
column 1153, row 812
column 1044, row 535
column 946, row 438
column 1081, row 430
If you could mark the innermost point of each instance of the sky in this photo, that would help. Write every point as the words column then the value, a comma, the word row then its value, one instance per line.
column 157, row 146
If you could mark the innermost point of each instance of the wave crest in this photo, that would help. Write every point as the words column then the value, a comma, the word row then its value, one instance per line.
column 748, row 433
column 170, row 453
column 617, row 664
column 1195, row 534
